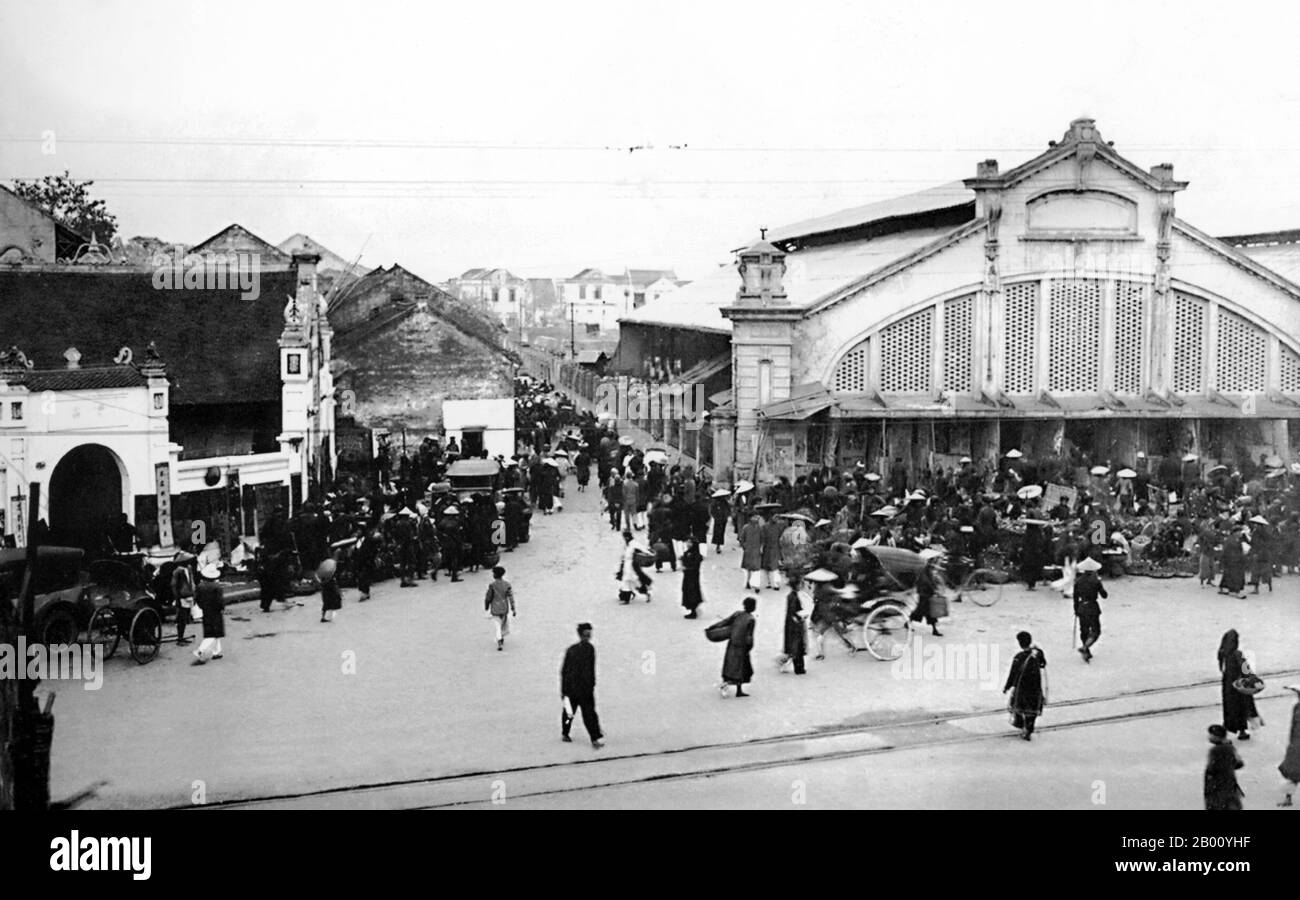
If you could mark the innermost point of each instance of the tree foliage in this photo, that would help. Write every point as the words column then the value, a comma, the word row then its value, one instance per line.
column 69, row 201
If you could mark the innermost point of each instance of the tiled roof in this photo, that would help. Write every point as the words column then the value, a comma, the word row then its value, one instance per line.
column 217, row 346
column 303, row 243
column 238, row 238
column 84, row 379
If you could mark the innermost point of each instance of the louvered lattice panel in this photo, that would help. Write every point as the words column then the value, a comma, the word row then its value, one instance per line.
column 958, row 321
column 1289, row 379
column 906, row 351
column 1130, row 307
column 851, row 373
column 1020, row 337
column 1189, row 343
column 1242, row 355
column 1074, row 360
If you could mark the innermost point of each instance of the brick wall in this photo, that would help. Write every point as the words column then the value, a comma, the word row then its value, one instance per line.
column 400, row 375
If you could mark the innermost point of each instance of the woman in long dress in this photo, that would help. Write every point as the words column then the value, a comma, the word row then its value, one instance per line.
column 720, row 510
column 1233, row 560
column 751, row 545
column 737, row 669
column 1238, row 708
column 691, row 595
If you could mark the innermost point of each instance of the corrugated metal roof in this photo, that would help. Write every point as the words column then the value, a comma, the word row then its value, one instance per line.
column 1284, row 259
column 943, row 196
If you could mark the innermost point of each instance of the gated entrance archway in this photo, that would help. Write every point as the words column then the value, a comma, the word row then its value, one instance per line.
column 85, row 497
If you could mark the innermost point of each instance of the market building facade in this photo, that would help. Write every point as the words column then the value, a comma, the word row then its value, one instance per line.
column 1058, row 308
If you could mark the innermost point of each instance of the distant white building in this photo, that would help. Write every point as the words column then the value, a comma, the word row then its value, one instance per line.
column 496, row 291
column 598, row 298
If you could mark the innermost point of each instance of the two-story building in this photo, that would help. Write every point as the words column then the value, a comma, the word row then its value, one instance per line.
column 498, row 292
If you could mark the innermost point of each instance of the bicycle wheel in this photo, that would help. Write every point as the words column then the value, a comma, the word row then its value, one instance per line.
column 980, row 589
column 103, row 630
column 886, row 632
column 145, row 636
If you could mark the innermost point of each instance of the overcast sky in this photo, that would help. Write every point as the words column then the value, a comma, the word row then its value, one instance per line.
column 446, row 136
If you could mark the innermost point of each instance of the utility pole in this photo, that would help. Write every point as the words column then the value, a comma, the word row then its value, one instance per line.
column 573, row 351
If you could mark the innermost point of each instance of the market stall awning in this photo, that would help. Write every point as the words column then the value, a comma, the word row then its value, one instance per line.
column 804, row 401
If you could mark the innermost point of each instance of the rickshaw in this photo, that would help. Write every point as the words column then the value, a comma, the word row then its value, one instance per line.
column 110, row 603
column 885, row 619
column 123, row 606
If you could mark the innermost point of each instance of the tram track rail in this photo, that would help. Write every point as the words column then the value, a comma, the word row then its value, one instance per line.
column 577, row 768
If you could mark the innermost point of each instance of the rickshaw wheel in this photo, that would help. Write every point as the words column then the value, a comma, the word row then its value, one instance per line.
column 146, row 635
column 982, row 590
column 60, row 628
column 103, row 630
column 887, row 631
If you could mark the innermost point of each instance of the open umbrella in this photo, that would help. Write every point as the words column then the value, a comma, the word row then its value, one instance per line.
column 1126, row 473
column 800, row 516
column 1100, row 470
column 1030, row 492
column 655, row 456
column 744, row 486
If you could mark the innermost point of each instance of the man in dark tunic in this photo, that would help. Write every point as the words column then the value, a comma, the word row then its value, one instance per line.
column 452, row 538
column 1025, row 682
column 578, row 687
column 1087, row 588
column 513, row 516
column 273, row 558
column 720, row 510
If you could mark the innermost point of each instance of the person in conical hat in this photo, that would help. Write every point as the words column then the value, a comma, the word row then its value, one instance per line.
column 1087, row 588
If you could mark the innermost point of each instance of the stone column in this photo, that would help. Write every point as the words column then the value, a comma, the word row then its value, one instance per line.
column 723, row 422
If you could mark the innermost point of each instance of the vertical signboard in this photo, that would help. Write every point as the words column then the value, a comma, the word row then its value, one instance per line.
column 163, row 482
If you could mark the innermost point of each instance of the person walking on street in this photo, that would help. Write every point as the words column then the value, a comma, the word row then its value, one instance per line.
column 720, row 510
column 211, row 601
column 1262, row 540
column 578, row 688
column 1027, row 685
column 1221, row 788
column 691, row 594
column 331, row 599
column 631, row 501
column 1233, row 563
column 794, row 646
column 1238, row 708
column 1290, row 766
column 366, row 555
column 751, row 546
column 182, row 588
column 737, row 669
column 771, row 548
column 1087, row 588
column 500, row 604
column 614, row 500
